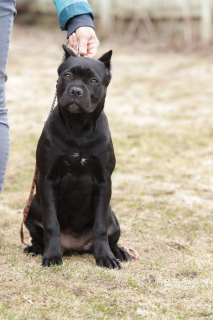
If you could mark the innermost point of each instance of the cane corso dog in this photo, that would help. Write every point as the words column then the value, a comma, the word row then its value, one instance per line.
column 71, row 211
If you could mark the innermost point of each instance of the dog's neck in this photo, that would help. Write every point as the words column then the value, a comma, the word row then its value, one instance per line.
column 81, row 123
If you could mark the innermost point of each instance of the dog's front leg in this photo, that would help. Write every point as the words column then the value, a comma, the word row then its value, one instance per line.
column 52, row 248
column 102, row 252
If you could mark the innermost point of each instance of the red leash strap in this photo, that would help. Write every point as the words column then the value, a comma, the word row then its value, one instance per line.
column 27, row 207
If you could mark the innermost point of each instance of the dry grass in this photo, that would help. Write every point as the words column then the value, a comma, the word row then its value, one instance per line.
column 160, row 112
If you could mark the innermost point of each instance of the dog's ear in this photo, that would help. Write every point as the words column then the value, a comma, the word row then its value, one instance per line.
column 106, row 59
column 68, row 52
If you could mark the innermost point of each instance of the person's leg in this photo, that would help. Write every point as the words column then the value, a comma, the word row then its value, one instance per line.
column 7, row 12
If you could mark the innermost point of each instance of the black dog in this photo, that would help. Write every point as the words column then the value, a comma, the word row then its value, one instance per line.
column 71, row 211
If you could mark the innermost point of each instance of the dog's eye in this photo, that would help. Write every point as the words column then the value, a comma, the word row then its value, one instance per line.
column 93, row 81
column 67, row 76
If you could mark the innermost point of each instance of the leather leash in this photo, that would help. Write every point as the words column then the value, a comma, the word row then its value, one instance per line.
column 27, row 207
column 30, row 198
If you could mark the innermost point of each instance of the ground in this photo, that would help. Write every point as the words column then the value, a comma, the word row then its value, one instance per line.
column 159, row 107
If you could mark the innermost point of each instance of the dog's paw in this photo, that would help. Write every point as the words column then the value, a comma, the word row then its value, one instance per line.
column 120, row 253
column 108, row 261
column 34, row 250
column 52, row 261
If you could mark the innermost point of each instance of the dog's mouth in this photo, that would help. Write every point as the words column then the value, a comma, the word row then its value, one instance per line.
column 74, row 108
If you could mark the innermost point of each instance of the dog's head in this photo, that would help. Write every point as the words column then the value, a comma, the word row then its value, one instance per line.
column 82, row 82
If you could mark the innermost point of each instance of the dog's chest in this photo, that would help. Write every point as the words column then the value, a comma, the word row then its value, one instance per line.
column 76, row 163
column 75, row 159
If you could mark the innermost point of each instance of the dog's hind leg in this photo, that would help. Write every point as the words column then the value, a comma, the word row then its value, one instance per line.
column 36, row 231
column 114, row 235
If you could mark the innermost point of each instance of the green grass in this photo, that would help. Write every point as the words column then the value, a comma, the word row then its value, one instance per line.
column 159, row 108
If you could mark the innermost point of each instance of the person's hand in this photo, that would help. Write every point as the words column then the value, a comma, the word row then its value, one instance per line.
column 88, row 41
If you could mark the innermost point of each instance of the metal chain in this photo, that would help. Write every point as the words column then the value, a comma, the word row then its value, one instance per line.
column 63, row 59
column 77, row 49
column 27, row 207
column 55, row 96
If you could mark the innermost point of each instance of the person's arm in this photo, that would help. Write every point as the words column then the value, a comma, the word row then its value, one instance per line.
column 71, row 8
column 76, row 17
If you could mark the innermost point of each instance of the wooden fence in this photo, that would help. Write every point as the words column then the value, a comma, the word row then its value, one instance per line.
column 145, row 15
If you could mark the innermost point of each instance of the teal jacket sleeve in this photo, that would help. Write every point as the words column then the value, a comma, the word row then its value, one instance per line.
column 67, row 9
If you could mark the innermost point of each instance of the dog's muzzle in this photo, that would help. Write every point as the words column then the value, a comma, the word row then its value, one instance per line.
column 76, row 92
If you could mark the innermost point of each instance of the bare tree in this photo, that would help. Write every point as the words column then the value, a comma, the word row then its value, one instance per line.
column 187, row 22
column 206, row 21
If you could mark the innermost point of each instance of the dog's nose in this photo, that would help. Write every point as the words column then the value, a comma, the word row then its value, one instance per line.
column 76, row 92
